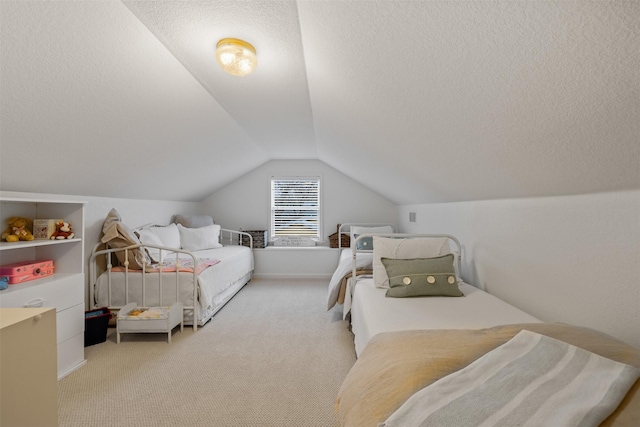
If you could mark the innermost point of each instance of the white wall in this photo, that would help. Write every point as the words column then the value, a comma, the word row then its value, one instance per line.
column 307, row 263
column 244, row 204
column 573, row 259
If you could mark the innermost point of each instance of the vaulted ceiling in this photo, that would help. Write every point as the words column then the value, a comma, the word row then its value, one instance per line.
column 422, row 101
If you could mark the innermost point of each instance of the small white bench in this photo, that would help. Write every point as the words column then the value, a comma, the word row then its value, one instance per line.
column 149, row 320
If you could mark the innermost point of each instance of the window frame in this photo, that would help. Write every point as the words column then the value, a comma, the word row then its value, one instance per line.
column 285, row 177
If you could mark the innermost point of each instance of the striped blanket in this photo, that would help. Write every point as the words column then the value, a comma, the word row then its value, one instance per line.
column 530, row 380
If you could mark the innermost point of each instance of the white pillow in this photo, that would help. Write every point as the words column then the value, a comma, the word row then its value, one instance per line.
column 422, row 247
column 169, row 235
column 194, row 221
column 195, row 239
column 148, row 237
column 356, row 230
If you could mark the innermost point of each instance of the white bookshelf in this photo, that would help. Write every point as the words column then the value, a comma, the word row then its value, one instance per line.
column 64, row 290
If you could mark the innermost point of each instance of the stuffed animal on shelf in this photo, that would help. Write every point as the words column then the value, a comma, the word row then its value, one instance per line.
column 18, row 229
column 63, row 231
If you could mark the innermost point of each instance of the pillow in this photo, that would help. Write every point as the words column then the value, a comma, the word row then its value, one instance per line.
column 148, row 237
column 364, row 244
column 168, row 235
column 194, row 221
column 118, row 235
column 356, row 230
column 423, row 247
column 195, row 239
column 422, row 277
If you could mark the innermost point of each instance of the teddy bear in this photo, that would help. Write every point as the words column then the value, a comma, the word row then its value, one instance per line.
column 18, row 229
column 63, row 231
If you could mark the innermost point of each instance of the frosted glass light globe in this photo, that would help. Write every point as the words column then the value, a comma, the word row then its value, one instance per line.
column 236, row 57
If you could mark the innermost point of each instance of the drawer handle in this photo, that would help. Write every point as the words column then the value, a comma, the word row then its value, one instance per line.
column 36, row 302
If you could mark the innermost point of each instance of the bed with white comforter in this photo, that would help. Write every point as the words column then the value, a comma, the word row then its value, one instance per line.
column 429, row 354
column 215, row 284
column 156, row 266
column 363, row 258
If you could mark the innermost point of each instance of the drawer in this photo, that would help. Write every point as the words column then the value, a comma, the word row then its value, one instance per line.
column 70, row 322
column 60, row 291
column 70, row 355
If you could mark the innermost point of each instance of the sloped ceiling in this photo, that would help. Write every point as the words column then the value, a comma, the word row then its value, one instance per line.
column 421, row 101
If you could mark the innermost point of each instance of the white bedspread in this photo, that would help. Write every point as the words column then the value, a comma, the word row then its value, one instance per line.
column 364, row 260
column 235, row 263
column 372, row 312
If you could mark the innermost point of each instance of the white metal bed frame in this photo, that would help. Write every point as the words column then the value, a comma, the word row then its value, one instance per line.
column 108, row 253
column 457, row 252
column 344, row 230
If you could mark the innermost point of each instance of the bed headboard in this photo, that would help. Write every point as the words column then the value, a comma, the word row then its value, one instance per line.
column 346, row 228
column 456, row 249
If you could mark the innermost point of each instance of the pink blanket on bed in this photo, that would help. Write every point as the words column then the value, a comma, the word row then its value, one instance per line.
column 170, row 265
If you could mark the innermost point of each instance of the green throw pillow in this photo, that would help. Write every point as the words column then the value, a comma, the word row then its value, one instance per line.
column 422, row 277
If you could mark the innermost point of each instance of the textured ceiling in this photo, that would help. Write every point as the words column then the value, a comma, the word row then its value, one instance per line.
column 421, row 101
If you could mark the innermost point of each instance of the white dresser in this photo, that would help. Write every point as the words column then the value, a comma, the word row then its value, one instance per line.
column 64, row 290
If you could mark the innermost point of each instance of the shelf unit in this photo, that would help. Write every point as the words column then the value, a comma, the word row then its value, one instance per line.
column 64, row 290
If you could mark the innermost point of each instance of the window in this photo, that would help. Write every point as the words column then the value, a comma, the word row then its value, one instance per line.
column 295, row 206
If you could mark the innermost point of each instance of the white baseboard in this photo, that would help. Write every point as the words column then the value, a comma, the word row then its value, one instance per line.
column 291, row 276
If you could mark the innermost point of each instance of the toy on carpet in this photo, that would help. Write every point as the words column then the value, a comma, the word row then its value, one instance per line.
column 63, row 231
column 18, row 229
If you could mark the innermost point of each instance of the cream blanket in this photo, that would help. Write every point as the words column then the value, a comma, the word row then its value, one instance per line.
column 395, row 365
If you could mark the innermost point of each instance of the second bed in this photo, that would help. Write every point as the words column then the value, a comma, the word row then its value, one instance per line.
column 373, row 312
column 456, row 355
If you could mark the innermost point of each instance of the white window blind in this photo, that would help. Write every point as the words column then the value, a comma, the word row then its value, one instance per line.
column 295, row 206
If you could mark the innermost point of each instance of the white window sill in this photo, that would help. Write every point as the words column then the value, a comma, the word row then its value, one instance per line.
column 304, row 248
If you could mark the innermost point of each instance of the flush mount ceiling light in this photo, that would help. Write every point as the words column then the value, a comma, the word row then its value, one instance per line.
column 236, row 57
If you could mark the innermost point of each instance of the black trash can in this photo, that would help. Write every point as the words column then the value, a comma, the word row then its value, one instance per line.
column 96, row 323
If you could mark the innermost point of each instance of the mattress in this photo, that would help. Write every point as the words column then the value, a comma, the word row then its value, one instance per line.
column 215, row 283
column 373, row 313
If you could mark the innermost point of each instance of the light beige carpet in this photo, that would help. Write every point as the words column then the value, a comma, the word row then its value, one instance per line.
column 273, row 356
